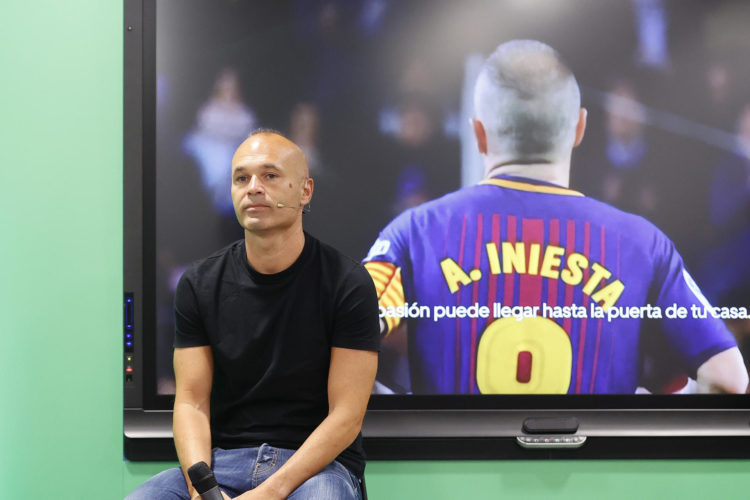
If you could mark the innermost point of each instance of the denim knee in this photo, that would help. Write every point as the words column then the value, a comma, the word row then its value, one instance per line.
column 335, row 482
column 167, row 485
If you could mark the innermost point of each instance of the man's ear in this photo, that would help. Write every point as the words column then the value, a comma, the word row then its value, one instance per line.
column 581, row 126
column 308, row 186
column 480, row 135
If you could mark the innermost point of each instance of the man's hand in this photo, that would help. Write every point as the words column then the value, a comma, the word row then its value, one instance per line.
column 260, row 493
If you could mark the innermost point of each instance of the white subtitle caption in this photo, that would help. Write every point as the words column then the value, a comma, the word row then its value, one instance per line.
column 497, row 310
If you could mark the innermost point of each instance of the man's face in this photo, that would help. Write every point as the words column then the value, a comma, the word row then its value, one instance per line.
column 268, row 170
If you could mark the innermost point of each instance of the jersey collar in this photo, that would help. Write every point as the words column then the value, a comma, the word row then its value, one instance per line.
column 525, row 184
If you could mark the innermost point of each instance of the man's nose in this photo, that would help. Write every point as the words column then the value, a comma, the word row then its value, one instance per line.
column 255, row 185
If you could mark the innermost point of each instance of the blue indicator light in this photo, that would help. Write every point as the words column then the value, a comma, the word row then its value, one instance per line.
column 129, row 343
column 128, row 335
column 128, row 313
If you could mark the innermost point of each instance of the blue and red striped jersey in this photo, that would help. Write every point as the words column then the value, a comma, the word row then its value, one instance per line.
column 519, row 286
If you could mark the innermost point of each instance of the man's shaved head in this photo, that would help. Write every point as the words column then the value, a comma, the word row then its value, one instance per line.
column 528, row 101
column 264, row 140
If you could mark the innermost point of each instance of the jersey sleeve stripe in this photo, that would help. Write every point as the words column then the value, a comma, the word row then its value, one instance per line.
column 390, row 290
column 381, row 275
column 384, row 267
column 393, row 296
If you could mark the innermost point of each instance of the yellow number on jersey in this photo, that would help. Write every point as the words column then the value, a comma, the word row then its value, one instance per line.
column 499, row 349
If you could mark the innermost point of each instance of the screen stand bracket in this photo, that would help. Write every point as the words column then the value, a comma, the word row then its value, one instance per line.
column 568, row 425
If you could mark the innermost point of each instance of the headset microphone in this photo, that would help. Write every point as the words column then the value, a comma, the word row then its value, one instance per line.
column 305, row 209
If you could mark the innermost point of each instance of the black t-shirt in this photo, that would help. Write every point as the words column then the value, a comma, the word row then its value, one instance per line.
column 271, row 337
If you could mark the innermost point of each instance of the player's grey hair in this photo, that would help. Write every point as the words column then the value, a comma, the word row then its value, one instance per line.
column 528, row 101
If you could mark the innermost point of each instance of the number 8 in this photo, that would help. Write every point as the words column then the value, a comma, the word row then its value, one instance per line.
column 502, row 343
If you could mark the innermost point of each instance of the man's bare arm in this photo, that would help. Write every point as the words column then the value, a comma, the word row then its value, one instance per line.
column 193, row 368
column 350, row 380
column 724, row 372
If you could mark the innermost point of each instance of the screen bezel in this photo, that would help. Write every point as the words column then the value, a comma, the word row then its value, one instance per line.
column 483, row 425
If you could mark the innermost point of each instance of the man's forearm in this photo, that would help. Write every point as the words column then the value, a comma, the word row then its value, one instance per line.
column 337, row 431
column 192, row 438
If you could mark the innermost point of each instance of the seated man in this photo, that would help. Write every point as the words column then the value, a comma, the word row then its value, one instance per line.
column 275, row 349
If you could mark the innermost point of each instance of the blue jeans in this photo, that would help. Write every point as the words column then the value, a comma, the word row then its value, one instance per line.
column 243, row 469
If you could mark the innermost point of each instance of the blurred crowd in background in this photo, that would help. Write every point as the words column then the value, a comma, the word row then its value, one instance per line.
column 377, row 94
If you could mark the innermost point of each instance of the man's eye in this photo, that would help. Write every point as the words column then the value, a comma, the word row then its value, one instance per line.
column 240, row 179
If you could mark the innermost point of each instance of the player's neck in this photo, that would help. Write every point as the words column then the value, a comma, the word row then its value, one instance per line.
column 272, row 252
column 557, row 173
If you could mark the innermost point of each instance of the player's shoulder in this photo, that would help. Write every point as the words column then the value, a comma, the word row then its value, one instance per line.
column 624, row 222
column 638, row 233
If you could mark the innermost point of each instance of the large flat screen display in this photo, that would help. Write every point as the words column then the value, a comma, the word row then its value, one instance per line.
column 379, row 95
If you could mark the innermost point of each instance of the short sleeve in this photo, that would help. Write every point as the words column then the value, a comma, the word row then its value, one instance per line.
column 391, row 245
column 357, row 322
column 694, row 337
column 189, row 329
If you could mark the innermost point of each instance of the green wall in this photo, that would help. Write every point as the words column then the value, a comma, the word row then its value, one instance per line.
column 61, row 286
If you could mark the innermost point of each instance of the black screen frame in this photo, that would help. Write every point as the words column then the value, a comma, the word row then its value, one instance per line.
column 396, row 427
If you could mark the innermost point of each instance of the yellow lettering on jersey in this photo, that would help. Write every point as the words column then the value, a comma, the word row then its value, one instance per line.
column 551, row 262
column 596, row 278
column 608, row 295
column 514, row 257
column 454, row 274
column 534, row 250
column 573, row 274
column 555, row 264
column 493, row 257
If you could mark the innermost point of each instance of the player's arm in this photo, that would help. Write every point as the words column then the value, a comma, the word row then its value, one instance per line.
column 193, row 368
column 350, row 379
column 724, row 372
